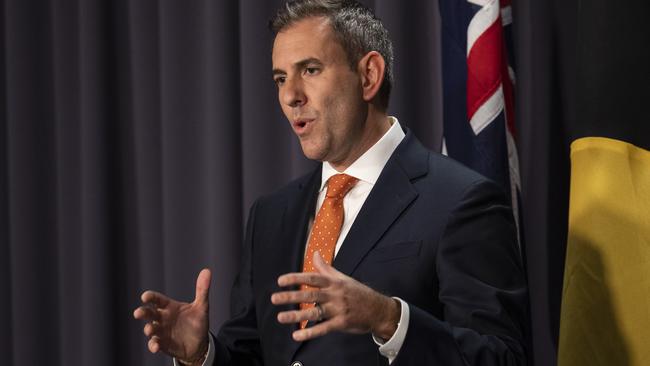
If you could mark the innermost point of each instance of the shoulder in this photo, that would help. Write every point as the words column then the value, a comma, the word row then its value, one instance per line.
column 437, row 175
column 452, row 172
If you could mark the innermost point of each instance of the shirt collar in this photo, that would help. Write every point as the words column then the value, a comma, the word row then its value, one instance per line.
column 369, row 165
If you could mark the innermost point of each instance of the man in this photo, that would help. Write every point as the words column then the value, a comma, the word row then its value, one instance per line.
column 387, row 253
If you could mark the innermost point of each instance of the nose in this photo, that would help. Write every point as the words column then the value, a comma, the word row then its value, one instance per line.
column 292, row 93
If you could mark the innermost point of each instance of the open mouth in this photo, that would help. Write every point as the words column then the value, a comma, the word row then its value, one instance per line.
column 301, row 126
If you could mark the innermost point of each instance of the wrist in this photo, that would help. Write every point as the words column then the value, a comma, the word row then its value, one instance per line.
column 386, row 327
column 200, row 356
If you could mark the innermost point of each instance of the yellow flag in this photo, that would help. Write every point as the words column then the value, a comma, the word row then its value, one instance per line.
column 605, row 317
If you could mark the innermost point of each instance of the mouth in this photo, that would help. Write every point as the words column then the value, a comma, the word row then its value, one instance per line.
column 302, row 126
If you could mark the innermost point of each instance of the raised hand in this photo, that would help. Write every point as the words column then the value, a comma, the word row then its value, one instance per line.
column 179, row 329
column 343, row 304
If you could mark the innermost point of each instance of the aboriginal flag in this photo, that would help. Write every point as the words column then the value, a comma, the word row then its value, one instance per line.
column 605, row 315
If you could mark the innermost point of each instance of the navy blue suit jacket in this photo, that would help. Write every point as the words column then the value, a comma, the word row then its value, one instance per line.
column 431, row 232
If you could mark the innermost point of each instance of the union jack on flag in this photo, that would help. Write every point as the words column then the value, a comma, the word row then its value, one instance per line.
column 478, row 80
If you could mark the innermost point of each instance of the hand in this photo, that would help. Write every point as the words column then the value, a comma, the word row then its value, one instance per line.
column 345, row 304
column 179, row 329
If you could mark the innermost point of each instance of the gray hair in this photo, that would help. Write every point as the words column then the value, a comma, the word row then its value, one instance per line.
column 356, row 27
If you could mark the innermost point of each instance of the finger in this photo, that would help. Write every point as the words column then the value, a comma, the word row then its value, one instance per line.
column 155, row 298
column 154, row 344
column 295, row 316
column 203, row 286
column 147, row 313
column 316, row 331
column 324, row 268
column 151, row 329
column 296, row 297
column 312, row 279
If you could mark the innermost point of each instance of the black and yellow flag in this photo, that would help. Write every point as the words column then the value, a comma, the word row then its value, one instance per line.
column 605, row 315
column 606, row 299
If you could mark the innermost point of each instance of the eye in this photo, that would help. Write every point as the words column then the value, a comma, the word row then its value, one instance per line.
column 312, row 70
column 279, row 80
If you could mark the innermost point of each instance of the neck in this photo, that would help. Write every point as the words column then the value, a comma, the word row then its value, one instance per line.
column 376, row 125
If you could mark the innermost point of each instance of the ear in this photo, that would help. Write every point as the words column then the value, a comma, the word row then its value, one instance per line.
column 371, row 69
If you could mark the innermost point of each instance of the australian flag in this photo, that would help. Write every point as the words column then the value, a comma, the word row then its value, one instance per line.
column 478, row 87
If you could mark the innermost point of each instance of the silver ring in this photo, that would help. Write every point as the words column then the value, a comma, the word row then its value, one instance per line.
column 320, row 312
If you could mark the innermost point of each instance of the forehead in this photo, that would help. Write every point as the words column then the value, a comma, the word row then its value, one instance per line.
column 308, row 38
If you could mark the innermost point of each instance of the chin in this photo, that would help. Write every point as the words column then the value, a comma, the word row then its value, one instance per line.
column 314, row 156
column 315, row 147
column 313, row 153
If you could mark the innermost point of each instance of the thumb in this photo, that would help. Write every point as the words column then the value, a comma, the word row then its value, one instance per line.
column 322, row 267
column 203, row 286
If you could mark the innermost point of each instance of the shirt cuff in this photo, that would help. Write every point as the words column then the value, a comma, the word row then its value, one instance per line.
column 390, row 348
column 209, row 359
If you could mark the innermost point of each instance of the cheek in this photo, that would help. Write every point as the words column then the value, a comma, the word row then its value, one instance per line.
column 342, row 108
column 339, row 100
column 335, row 111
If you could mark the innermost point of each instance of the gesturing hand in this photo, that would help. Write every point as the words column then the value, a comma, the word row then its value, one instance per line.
column 344, row 304
column 179, row 329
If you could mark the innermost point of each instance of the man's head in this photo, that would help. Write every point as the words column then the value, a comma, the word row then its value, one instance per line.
column 332, row 77
column 355, row 27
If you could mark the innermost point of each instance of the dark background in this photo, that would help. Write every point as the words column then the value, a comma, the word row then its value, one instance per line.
column 136, row 134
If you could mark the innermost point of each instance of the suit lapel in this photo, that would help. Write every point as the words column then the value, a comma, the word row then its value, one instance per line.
column 390, row 196
column 300, row 208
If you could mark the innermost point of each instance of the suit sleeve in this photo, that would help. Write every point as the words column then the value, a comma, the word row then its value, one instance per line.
column 238, row 341
column 482, row 289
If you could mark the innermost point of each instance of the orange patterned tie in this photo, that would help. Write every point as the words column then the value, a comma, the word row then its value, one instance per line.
column 327, row 227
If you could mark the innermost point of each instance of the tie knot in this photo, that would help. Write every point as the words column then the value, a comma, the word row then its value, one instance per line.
column 339, row 185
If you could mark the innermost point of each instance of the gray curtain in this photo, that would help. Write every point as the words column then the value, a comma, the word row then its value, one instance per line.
column 136, row 134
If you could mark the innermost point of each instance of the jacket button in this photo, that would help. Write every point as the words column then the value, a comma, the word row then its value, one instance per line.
column 296, row 363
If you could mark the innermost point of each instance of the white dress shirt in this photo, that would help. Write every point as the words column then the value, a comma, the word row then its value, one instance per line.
column 366, row 169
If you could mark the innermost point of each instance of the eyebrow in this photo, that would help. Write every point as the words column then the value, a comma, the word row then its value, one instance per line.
column 300, row 65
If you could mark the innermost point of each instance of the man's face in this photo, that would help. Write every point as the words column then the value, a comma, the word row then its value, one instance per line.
column 319, row 92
